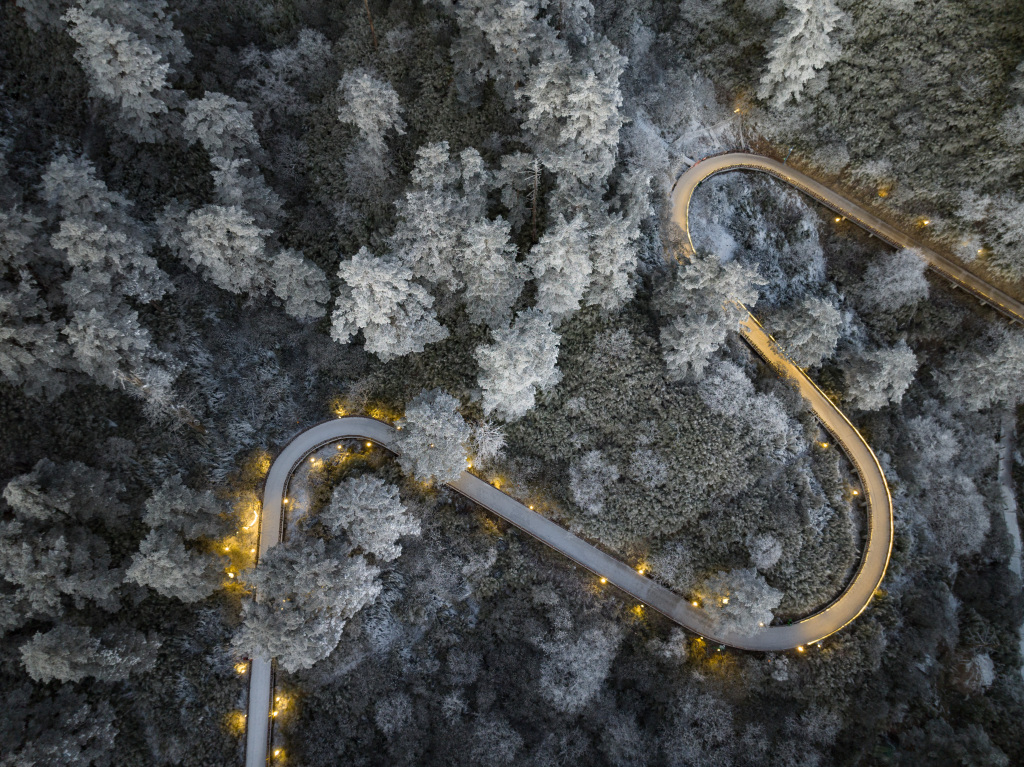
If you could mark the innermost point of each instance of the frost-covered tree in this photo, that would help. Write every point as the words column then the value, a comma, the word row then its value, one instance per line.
column 740, row 601
column 894, row 280
column 106, row 251
column 59, row 729
column 703, row 303
column 167, row 561
column 227, row 245
column 33, row 353
column 50, row 556
column 575, row 666
column 572, row 119
column 765, row 551
column 561, row 267
column 493, row 278
column 878, row 377
column 613, row 256
column 372, row 106
column 522, row 360
column 302, row 602
column 222, row 125
column 589, row 477
column 445, row 198
column 808, row 331
column 372, row 514
column 728, row 391
column 301, row 285
column 803, row 46
column 988, row 373
column 128, row 49
column 445, row 237
column 648, row 468
column 379, row 297
column 70, row 653
column 434, row 439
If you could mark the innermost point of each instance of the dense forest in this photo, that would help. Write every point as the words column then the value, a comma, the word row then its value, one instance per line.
column 225, row 222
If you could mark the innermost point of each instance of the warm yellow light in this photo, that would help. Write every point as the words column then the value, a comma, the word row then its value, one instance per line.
column 856, row 492
column 469, row 466
column 640, row 569
column 227, row 548
column 531, row 508
column 838, row 219
column 231, row 575
column 926, row 222
column 800, row 649
column 824, row 444
column 274, row 713
column 255, row 518
column 735, row 111
column 370, row 444
column 286, row 500
column 497, row 483
column 694, row 604
column 725, row 600
column 241, row 668
column 604, row 580
column 277, row 752
column 252, row 551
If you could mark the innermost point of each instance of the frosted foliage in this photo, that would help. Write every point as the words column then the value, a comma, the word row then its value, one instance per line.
column 765, row 551
column 573, row 116
column 303, row 600
column 575, row 667
column 192, row 513
column 740, row 601
column 988, row 373
column 876, row 378
column 704, row 302
column 393, row 714
column 561, row 266
column 228, row 246
column 801, row 48
column 434, row 439
column 115, row 260
column 613, row 254
column 31, row 354
column 894, row 280
column 371, row 105
column 71, row 184
column 379, row 297
column 372, row 514
column 522, row 360
column 493, row 278
column 301, row 285
column 223, row 125
column 1011, row 126
column 728, row 391
column 70, row 653
column 62, row 729
column 165, row 564
column 809, row 331
column 444, row 236
column 488, row 441
column 589, row 477
column 494, row 743
column 648, row 468
column 127, row 51
column 40, row 13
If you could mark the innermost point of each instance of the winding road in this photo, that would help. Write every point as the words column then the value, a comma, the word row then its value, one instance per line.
column 853, row 600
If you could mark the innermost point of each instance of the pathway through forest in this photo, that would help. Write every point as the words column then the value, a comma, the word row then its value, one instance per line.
column 839, row 613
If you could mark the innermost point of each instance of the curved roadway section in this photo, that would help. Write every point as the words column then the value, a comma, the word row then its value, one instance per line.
column 960, row 277
column 878, row 547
